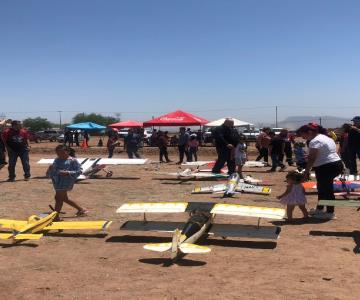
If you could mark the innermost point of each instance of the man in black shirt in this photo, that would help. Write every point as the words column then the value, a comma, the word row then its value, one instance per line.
column 276, row 151
column 132, row 143
column 354, row 144
column 226, row 138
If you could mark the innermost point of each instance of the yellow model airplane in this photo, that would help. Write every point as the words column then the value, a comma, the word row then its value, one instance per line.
column 200, row 223
column 32, row 228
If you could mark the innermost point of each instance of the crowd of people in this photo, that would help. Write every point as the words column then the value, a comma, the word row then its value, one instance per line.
column 316, row 150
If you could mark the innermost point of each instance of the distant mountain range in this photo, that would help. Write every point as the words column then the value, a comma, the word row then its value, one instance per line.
column 326, row 121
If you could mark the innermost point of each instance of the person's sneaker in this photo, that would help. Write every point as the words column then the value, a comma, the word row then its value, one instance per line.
column 27, row 178
column 313, row 212
column 82, row 213
column 11, row 180
column 282, row 168
column 325, row 216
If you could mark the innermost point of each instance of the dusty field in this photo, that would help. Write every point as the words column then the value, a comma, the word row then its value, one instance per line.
column 72, row 265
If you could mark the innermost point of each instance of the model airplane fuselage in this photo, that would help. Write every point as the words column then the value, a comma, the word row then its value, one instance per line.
column 33, row 228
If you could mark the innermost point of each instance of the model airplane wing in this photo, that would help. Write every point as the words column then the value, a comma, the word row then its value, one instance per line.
column 209, row 189
column 239, row 230
column 338, row 185
column 96, row 225
column 12, row 224
column 196, row 163
column 250, row 188
column 255, row 164
column 158, row 226
column 49, row 161
column 122, row 161
column 345, row 203
column 187, row 175
column 21, row 236
column 241, row 187
column 153, row 207
column 248, row 211
column 214, row 208
column 101, row 161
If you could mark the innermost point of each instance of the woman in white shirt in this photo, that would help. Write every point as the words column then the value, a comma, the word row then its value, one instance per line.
column 324, row 159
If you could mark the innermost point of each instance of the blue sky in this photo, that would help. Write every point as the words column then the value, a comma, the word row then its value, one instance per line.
column 213, row 58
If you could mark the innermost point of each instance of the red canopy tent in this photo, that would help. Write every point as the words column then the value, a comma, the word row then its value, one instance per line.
column 126, row 124
column 177, row 118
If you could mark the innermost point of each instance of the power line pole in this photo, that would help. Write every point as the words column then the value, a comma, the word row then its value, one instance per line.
column 320, row 121
column 60, row 111
column 276, row 116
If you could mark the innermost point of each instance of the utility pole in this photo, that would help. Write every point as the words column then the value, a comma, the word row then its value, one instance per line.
column 320, row 121
column 60, row 111
column 276, row 116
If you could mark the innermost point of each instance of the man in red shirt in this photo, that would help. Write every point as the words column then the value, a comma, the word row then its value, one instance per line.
column 17, row 145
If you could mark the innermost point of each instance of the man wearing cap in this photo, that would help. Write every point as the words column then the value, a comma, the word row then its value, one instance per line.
column 354, row 144
column 16, row 141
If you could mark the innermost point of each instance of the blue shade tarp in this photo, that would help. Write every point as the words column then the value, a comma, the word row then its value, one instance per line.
column 89, row 126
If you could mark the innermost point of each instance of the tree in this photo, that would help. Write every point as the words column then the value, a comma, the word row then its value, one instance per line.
column 36, row 124
column 95, row 118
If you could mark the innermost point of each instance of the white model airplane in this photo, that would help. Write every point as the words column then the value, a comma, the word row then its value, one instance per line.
column 91, row 166
column 189, row 174
column 200, row 223
column 249, row 163
column 33, row 228
column 233, row 186
column 346, row 177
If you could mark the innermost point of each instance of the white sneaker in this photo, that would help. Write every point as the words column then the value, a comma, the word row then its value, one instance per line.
column 325, row 216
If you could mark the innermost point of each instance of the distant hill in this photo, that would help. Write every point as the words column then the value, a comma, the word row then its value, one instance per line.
column 326, row 121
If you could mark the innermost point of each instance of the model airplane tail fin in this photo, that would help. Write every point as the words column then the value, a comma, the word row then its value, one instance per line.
column 5, row 236
column 28, row 236
column 192, row 248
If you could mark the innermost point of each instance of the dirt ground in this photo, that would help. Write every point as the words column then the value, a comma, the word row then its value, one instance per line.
column 310, row 260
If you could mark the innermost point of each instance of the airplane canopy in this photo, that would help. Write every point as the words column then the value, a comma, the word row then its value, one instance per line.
column 237, row 123
column 176, row 118
column 126, row 124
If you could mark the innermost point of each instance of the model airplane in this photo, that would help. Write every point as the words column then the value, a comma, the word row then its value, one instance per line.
column 346, row 177
column 189, row 174
column 91, row 166
column 342, row 188
column 233, row 186
column 200, row 223
column 33, row 228
column 249, row 163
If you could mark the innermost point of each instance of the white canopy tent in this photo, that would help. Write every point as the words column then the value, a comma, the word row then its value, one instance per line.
column 237, row 123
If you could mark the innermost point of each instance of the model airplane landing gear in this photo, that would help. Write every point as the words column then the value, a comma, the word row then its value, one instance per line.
column 108, row 173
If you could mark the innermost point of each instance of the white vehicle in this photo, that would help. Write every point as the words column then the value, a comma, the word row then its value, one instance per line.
column 276, row 130
column 251, row 134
